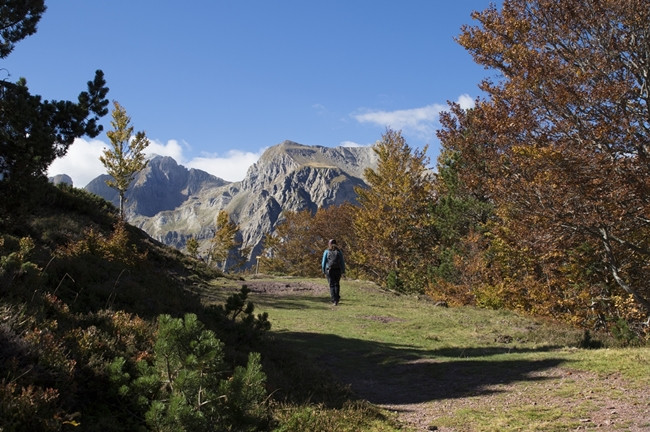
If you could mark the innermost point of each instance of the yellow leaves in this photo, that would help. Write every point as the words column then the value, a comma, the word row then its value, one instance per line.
column 223, row 243
column 535, row 152
column 628, row 308
column 126, row 157
column 390, row 222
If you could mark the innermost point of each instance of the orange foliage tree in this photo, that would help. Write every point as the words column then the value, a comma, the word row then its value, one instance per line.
column 561, row 145
column 297, row 246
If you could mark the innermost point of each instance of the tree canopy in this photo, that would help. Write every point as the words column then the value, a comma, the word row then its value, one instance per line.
column 18, row 19
column 224, row 243
column 297, row 246
column 560, row 146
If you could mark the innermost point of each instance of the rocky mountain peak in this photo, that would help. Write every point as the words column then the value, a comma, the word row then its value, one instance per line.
column 61, row 179
column 289, row 156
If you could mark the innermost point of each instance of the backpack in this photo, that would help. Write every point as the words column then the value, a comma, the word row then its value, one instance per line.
column 333, row 259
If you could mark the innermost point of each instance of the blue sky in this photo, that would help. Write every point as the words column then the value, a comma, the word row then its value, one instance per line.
column 213, row 83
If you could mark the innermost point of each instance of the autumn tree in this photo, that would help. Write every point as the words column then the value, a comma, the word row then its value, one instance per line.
column 297, row 246
column 392, row 222
column 224, row 241
column 126, row 158
column 293, row 248
column 34, row 132
column 565, row 145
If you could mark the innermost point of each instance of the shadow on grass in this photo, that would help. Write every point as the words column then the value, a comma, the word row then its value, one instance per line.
column 389, row 374
column 290, row 302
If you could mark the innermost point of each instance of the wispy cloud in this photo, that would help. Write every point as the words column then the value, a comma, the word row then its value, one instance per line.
column 351, row 144
column 421, row 122
column 82, row 162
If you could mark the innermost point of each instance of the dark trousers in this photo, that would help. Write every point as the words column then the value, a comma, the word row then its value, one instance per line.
column 334, row 279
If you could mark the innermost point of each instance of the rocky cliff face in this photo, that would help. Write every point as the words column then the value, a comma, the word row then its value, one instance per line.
column 173, row 204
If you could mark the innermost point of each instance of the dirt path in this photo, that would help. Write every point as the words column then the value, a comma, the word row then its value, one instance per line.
column 419, row 400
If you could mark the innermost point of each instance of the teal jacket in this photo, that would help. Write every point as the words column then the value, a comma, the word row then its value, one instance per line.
column 341, row 261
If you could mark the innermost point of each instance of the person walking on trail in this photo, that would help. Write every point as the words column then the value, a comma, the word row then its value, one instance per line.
column 333, row 266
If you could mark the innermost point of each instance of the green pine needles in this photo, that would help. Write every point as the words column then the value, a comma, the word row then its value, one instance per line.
column 187, row 384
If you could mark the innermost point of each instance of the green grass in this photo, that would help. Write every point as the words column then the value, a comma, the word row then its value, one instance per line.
column 469, row 369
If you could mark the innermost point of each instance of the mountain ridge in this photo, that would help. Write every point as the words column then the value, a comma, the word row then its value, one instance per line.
column 172, row 203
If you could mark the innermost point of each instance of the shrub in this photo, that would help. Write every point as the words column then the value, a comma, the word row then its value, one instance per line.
column 187, row 387
column 15, row 267
column 624, row 334
column 237, row 318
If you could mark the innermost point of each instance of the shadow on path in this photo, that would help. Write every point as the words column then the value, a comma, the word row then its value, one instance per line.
column 389, row 374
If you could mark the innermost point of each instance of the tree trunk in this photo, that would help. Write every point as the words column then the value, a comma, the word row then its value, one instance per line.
column 122, row 205
column 617, row 277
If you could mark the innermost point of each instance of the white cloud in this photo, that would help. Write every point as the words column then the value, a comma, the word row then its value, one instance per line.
column 422, row 121
column 351, row 144
column 231, row 167
column 82, row 162
column 172, row 149
column 465, row 101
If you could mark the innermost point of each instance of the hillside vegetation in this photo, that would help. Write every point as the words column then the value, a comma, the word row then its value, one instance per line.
column 102, row 328
column 85, row 305
column 537, row 209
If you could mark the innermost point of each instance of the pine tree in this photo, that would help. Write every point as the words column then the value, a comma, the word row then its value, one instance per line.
column 188, row 385
column 126, row 158
column 33, row 131
column 192, row 246
column 19, row 20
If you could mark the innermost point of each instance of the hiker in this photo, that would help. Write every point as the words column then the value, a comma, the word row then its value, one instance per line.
column 333, row 265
